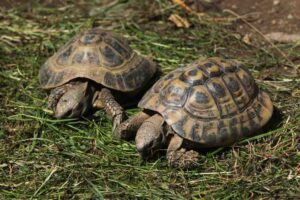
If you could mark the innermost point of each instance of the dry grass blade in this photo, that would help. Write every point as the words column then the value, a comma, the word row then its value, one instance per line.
column 183, row 5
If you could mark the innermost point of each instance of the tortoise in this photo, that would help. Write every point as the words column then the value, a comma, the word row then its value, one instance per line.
column 93, row 70
column 209, row 103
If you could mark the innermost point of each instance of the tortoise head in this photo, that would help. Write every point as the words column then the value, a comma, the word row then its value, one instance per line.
column 151, row 136
column 72, row 99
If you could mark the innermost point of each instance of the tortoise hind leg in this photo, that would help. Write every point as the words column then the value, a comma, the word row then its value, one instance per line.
column 180, row 157
column 104, row 99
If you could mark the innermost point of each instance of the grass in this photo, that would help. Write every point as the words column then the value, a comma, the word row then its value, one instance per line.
column 45, row 158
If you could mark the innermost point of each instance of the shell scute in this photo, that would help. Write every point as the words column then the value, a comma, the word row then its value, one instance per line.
column 112, row 59
column 193, row 76
column 218, row 110
column 222, row 97
column 175, row 94
column 100, row 56
column 120, row 48
column 90, row 38
column 64, row 57
column 247, row 81
column 211, row 68
column 201, row 104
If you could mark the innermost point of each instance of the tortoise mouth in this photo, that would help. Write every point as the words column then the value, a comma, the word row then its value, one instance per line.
column 145, row 151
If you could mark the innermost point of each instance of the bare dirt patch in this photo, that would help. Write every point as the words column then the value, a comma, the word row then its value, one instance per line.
column 267, row 15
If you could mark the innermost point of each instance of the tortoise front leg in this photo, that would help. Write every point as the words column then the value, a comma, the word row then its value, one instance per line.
column 104, row 99
column 127, row 130
column 178, row 156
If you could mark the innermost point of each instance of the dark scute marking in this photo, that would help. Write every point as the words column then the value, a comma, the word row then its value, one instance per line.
column 246, row 80
column 133, row 77
column 195, row 135
column 44, row 74
column 258, row 109
column 221, row 124
column 201, row 98
column 251, row 114
column 190, row 81
column 64, row 56
column 234, row 132
column 223, row 135
column 107, row 40
column 169, row 76
column 78, row 57
column 110, row 56
column 245, row 131
column 179, row 127
column 233, row 85
column 110, row 79
column 120, row 82
column 93, row 58
column 177, row 94
column 231, row 68
column 120, row 49
column 193, row 72
column 249, row 84
column 209, row 137
column 218, row 90
column 57, row 78
column 208, row 65
column 230, row 111
column 254, row 125
column 88, row 38
column 103, row 34
column 170, row 90
column 262, row 100
column 138, row 76
column 233, row 121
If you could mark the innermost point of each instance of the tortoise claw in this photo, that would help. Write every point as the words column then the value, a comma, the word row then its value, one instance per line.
column 118, row 119
column 183, row 159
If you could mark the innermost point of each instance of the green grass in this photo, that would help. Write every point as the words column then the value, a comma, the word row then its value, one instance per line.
column 45, row 158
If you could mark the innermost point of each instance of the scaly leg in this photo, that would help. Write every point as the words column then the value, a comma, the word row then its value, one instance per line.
column 180, row 157
column 127, row 130
column 104, row 99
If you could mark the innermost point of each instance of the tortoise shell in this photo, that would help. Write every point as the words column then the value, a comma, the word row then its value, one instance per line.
column 212, row 102
column 100, row 56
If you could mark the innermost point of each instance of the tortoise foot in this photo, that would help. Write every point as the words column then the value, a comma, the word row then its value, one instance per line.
column 183, row 159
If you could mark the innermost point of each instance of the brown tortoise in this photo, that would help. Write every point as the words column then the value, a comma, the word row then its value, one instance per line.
column 208, row 103
column 87, row 72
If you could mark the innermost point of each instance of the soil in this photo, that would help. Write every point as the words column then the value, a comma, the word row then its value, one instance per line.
column 268, row 15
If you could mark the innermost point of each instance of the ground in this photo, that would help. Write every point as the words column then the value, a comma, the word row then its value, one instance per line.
column 45, row 158
column 268, row 15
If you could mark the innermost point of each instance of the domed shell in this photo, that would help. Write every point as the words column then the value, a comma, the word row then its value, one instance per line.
column 213, row 102
column 100, row 56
